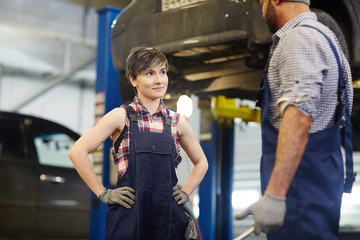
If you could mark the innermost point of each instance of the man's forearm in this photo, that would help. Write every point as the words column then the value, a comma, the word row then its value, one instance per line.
column 291, row 143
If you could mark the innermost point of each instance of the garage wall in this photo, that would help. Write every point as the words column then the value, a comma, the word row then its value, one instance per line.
column 39, row 41
column 246, row 184
column 69, row 104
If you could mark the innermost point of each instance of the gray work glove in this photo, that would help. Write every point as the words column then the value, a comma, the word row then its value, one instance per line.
column 123, row 196
column 180, row 196
column 269, row 212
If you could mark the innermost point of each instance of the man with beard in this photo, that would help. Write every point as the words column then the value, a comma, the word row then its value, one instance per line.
column 305, row 99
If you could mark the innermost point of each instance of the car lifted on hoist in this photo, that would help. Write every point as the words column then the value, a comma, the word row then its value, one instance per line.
column 220, row 47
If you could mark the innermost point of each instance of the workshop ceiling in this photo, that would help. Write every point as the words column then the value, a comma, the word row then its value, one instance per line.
column 44, row 38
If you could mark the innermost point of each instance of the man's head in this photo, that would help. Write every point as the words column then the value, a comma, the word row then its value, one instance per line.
column 143, row 58
column 269, row 15
column 276, row 13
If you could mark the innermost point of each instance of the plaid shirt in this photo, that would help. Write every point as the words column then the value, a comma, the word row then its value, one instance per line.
column 303, row 72
column 149, row 123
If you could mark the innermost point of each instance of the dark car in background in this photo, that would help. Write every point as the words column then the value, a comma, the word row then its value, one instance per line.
column 41, row 194
column 220, row 47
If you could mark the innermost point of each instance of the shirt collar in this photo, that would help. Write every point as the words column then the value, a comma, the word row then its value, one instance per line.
column 141, row 107
column 293, row 23
column 163, row 108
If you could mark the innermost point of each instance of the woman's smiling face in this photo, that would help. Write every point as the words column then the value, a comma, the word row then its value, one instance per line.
column 152, row 83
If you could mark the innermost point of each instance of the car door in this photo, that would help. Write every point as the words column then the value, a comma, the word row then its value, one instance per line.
column 63, row 198
column 18, row 183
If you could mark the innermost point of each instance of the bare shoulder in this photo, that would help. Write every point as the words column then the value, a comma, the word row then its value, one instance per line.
column 115, row 118
column 119, row 112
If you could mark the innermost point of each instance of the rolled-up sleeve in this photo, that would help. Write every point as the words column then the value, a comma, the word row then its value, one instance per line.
column 301, row 72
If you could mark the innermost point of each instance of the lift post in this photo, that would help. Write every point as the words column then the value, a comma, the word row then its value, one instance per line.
column 208, row 186
column 107, row 98
column 215, row 191
column 217, row 141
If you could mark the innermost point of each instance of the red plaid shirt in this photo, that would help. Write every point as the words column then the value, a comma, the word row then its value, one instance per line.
column 149, row 123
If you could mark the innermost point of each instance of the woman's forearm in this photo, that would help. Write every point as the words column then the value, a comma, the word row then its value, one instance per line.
column 86, row 171
column 196, row 176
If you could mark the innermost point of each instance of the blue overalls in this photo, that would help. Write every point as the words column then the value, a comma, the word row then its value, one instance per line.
column 314, row 198
column 151, row 172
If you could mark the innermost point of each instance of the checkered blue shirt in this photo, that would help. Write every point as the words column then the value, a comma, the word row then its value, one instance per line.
column 303, row 72
column 148, row 123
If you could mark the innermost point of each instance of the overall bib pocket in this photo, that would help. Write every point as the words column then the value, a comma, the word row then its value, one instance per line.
column 153, row 162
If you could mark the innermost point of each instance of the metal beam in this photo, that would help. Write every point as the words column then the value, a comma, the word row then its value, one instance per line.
column 56, row 81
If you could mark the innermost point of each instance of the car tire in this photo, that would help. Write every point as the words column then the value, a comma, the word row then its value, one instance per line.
column 330, row 22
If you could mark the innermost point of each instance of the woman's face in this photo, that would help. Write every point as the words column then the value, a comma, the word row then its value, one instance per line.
column 152, row 83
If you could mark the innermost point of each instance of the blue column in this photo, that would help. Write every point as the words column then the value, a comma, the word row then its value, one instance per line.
column 226, row 138
column 215, row 190
column 207, row 188
column 107, row 76
column 108, row 97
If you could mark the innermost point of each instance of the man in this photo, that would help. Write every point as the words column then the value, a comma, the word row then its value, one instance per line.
column 303, row 109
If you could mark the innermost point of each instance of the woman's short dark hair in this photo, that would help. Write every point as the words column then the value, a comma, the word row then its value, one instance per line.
column 143, row 58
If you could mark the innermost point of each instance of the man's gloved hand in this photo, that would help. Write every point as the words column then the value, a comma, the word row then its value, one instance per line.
column 269, row 212
column 123, row 196
column 180, row 196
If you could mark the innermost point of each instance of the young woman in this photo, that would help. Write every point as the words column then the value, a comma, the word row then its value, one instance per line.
column 147, row 137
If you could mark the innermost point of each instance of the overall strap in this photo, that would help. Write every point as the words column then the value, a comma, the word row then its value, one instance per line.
column 132, row 115
column 350, row 174
column 167, row 123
